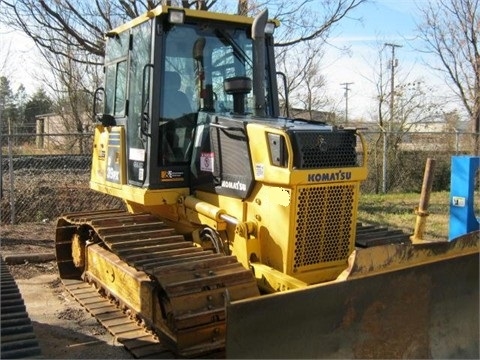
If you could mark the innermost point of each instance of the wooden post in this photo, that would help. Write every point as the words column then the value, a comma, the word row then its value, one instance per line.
column 422, row 209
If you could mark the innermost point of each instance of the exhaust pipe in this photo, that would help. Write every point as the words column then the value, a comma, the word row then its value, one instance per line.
column 258, row 35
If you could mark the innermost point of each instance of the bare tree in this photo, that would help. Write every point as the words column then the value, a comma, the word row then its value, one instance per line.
column 72, row 31
column 80, row 25
column 399, row 108
column 307, row 20
column 301, row 64
column 300, row 44
column 451, row 31
column 70, row 28
column 5, row 59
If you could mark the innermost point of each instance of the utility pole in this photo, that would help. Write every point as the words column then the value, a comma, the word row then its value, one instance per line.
column 393, row 64
column 347, row 89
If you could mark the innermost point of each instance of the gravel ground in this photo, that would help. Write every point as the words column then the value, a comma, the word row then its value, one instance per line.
column 63, row 328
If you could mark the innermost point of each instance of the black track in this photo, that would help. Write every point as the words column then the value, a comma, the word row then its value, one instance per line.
column 17, row 336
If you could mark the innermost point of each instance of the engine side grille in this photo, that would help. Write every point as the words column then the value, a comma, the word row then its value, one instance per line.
column 324, row 224
column 321, row 150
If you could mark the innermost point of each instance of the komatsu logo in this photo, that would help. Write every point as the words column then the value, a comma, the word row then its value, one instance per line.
column 236, row 185
column 330, row 176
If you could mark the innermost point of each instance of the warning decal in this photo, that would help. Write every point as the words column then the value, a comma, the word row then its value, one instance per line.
column 206, row 161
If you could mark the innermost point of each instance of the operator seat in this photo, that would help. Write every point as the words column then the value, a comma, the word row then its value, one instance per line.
column 177, row 122
column 176, row 103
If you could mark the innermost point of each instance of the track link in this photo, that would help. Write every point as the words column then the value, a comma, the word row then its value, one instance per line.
column 191, row 285
column 125, row 330
column 18, row 341
column 372, row 235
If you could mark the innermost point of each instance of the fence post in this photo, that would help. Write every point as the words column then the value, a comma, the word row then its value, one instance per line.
column 1, row 159
column 12, row 181
column 384, row 162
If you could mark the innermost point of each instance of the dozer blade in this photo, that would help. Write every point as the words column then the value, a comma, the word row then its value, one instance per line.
column 398, row 301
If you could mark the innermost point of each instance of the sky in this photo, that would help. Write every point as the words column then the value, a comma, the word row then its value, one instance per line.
column 19, row 60
column 380, row 21
column 384, row 21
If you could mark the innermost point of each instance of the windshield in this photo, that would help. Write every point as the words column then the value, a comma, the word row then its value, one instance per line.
column 203, row 57
column 198, row 60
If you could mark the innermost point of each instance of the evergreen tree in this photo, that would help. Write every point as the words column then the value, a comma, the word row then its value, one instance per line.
column 7, row 104
column 38, row 104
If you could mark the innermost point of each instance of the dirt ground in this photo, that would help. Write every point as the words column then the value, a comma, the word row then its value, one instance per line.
column 63, row 328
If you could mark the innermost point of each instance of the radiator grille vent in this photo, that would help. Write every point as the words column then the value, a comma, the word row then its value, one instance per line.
column 324, row 224
column 321, row 150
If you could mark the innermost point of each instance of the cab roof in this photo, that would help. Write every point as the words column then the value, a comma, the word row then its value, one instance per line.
column 189, row 15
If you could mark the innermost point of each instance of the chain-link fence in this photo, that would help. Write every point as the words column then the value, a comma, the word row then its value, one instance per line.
column 44, row 176
column 396, row 161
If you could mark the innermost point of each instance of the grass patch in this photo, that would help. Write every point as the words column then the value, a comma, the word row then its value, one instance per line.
column 398, row 211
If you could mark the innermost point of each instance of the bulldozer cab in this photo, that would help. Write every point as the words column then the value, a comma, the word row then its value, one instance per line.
column 164, row 68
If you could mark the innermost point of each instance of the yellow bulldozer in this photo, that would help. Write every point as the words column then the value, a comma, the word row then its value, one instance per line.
column 239, row 234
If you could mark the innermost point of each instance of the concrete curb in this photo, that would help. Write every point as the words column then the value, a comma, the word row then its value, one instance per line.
column 31, row 258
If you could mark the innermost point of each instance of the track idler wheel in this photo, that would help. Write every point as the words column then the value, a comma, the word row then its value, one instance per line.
column 79, row 241
column 78, row 251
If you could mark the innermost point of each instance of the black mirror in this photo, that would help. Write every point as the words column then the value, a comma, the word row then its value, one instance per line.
column 98, row 101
